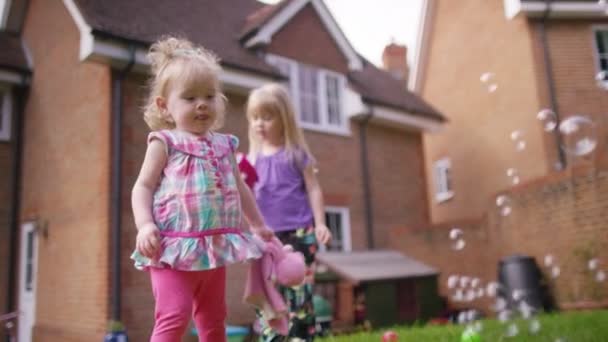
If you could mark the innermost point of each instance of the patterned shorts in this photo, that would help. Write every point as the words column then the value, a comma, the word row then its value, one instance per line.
column 297, row 298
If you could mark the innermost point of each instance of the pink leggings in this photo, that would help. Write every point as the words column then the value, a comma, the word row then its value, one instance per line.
column 181, row 295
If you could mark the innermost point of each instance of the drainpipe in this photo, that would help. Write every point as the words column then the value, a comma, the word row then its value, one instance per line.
column 17, row 157
column 118, row 78
column 367, row 193
column 550, row 81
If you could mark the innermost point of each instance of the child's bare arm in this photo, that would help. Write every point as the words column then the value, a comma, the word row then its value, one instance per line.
column 141, row 198
column 315, row 197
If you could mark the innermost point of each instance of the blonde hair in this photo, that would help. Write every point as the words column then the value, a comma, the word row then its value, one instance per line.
column 274, row 99
column 179, row 60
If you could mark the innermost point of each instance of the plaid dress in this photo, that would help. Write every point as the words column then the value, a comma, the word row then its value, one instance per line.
column 197, row 205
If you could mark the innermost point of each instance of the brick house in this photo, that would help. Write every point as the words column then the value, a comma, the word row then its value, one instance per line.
column 542, row 54
column 74, row 87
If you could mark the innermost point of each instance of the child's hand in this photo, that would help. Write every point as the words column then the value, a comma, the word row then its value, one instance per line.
column 148, row 240
column 263, row 232
column 323, row 234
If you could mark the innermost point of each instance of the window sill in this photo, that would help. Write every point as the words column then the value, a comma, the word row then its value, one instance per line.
column 444, row 196
column 341, row 131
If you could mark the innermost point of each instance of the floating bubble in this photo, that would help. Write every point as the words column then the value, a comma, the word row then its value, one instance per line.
column 480, row 292
column 458, row 242
column 470, row 295
column 475, row 282
column 600, row 276
column 525, row 309
column 601, row 78
column 458, row 295
column 548, row 119
column 517, row 135
column 592, row 264
column 504, row 315
column 534, row 326
column 579, row 135
column 512, row 330
column 488, row 80
column 477, row 326
column 499, row 305
column 452, row 281
column 555, row 271
column 549, row 259
column 513, row 175
column 464, row 281
column 503, row 202
column 517, row 295
column 492, row 289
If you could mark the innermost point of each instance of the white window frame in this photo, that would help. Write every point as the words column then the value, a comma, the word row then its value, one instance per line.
column 6, row 112
column 441, row 174
column 344, row 213
column 5, row 6
column 596, row 53
column 293, row 85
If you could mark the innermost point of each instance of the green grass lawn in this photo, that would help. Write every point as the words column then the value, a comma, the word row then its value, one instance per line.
column 570, row 327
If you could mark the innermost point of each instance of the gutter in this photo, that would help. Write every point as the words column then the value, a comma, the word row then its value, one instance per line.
column 19, row 96
column 551, row 83
column 118, row 77
column 367, row 193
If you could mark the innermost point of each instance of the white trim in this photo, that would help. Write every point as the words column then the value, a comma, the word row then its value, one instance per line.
column 264, row 35
column 6, row 114
column 386, row 115
column 422, row 43
column 27, row 315
column 344, row 213
column 441, row 168
column 562, row 9
column 5, row 8
column 12, row 77
column 596, row 56
column 323, row 126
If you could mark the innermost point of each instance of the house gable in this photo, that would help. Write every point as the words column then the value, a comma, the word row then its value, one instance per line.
column 307, row 26
column 266, row 33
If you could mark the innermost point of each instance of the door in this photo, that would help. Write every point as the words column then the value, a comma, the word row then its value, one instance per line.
column 28, row 261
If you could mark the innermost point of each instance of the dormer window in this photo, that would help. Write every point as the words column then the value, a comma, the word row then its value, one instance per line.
column 317, row 95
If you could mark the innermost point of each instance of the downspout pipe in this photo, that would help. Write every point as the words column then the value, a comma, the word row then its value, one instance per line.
column 550, row 81
column 19, row 96
column 118, row 77
column 367, row 192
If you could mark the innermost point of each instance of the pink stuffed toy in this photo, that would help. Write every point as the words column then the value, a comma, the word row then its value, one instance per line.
column 287, row 267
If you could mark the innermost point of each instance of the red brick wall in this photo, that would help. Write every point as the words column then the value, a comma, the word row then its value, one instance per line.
column 306, row 26
column 6, row 174
column 573, row 55
column 477, row 136
column 563, row 215
column 66, row 177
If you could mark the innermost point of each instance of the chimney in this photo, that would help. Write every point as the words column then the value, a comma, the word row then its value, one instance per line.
column 394, row 60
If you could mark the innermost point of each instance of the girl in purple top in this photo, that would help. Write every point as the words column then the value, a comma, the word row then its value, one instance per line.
column 288, row 194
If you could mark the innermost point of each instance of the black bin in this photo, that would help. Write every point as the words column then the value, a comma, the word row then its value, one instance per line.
column 520, row 280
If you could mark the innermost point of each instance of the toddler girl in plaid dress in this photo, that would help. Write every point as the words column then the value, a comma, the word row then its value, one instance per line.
column 188, row 198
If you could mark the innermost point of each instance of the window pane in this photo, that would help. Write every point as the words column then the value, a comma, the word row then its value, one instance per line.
column 29, row 261
column 601, row 38
column 333, row 100
column 334, row 223
column 309, row 103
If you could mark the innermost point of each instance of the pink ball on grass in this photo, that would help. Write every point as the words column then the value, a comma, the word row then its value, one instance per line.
column 390, row 336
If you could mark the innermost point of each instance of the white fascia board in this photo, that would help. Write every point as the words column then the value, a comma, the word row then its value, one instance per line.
column 386, row 115
column 422, row 45
column 264, row 35
column 353, row 103
column 565, row 9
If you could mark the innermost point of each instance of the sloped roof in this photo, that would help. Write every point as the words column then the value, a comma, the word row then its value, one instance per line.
column 374, row 265
column 221, row 26
column 379, row 87
column 12, row 54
